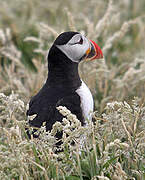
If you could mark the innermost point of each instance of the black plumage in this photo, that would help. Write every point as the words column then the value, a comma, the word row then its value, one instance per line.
column 59, row 89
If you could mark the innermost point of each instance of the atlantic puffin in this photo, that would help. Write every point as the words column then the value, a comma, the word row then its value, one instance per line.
column 63, row 86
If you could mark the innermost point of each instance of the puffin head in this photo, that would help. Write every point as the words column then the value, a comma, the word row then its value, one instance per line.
column 77, row 47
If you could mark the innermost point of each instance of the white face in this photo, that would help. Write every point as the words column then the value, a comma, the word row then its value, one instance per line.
column 76, row 47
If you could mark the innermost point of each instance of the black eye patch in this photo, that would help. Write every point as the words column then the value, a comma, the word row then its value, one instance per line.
column 81, row 41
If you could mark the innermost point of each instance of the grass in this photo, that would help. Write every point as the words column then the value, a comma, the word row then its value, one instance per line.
column 113, row 147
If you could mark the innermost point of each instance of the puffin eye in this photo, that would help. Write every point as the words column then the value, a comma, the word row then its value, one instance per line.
column 81, row 41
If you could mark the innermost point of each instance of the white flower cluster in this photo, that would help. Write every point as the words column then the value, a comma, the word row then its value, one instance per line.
column 113, row 104
column 70, row 126
column 70, row 119
column 11, row 107
column 32, row 117
column 12, row 103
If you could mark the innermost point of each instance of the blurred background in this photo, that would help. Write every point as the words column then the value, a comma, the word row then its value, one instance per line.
column 28, row 29
column 114, row 144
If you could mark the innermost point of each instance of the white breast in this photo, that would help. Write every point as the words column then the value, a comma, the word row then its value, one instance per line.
column 87, row 103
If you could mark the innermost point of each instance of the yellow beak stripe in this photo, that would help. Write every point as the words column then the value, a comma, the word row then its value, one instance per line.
column 88, row 51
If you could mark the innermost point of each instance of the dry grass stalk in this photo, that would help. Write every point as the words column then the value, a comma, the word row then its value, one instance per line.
column 102, row 24
column 119, row 34
column 128, row 134
column 71, row 21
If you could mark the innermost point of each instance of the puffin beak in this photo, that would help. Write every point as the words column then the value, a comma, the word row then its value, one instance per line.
column 94, row 52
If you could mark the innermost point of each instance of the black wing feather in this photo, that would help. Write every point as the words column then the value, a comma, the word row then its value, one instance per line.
column 49, row 113
column 72, row 103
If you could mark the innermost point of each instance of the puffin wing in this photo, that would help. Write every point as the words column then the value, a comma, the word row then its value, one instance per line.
column 39, row 112
column 71, row 102
column 49, row 113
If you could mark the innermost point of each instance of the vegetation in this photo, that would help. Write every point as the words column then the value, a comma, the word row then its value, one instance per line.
column 113, row 146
